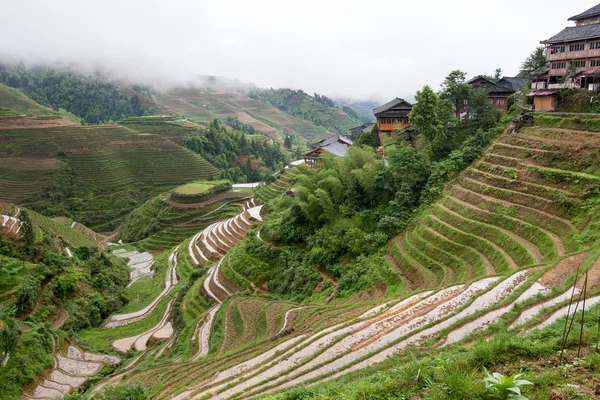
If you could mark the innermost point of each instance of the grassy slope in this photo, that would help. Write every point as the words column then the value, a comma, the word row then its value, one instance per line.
column 15, row 100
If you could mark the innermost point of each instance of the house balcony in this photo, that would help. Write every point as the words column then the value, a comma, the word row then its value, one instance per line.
column 557, row 56
column 573, row 55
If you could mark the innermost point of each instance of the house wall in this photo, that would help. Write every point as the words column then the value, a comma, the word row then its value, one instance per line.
column 544, row 103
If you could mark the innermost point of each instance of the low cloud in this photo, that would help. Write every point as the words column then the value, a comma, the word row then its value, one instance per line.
column 354, row 49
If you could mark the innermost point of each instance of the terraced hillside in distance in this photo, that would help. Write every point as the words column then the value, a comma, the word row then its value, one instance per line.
column 514, row 229
column 81, row 160
column 204, row 105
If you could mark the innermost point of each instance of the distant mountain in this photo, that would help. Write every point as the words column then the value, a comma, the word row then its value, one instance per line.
column 364, row 109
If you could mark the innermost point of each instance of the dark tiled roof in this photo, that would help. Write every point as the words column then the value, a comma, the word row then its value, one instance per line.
column 505, row 85
column 397, row 104
column 574, row 33
column 337, row 149
column 363, row 128
column 479, row 77
column 517, row 83
column 592, row 12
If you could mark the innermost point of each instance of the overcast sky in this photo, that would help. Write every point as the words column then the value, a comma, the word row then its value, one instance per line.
column 359, row 49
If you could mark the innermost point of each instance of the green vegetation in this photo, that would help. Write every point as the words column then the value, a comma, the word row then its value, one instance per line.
column 161, row 223
column 241, row 159
column 41, row 282
column 318, row 109
column 93, row 99
column 343, row 213
column 13, row 103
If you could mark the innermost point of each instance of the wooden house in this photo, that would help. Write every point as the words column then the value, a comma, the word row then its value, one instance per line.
column 393, row 115
column 498, row 90
column 576, row 47
column 336, row 145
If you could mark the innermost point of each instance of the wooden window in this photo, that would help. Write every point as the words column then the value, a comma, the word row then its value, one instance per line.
column 594, row 45
column 595, row 63
column 557, row 49
column 579, row 64
column 577, row 47
column 559, row 65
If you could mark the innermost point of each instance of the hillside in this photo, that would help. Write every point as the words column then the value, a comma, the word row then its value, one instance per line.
column 61, row 170
column 203, row 105
column 320, row 110
column 93, row 99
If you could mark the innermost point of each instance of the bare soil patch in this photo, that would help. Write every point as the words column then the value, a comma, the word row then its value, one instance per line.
column 562, row 270
column 28, row 123
column 29, row 164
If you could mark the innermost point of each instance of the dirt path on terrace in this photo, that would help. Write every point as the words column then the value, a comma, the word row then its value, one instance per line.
column 593, row 277
column 562, row 270
column 59, row 318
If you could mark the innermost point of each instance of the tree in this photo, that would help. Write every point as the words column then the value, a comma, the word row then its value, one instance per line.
column 481, row 111
column 27, row 230
column 9, row 342
column 455, row 89
column 288, row 142
column 570, row 73
column 498, row 74
column 535, row 60
column 370, row 138
column 424, row 116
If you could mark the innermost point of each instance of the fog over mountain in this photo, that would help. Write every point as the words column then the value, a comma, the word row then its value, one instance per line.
column 352, row 49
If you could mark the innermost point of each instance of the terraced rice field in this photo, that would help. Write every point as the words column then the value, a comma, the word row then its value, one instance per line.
column 105, row 158
column 514, row 208
column 72, row 369
column 205, row 105
column 173, row 222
